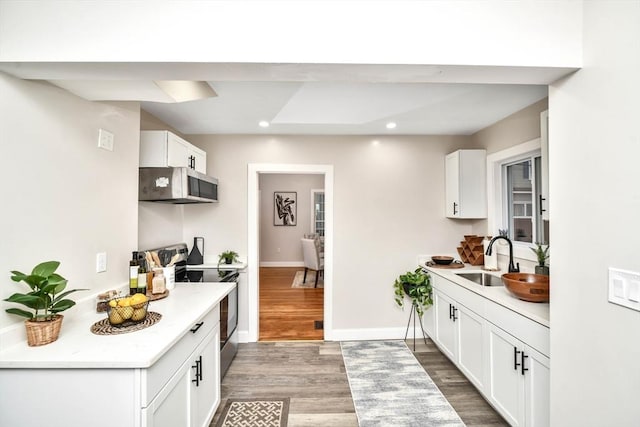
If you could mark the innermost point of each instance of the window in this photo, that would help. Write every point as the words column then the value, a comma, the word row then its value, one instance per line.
column 522, row 183
column 317, row 212
column 517, row 193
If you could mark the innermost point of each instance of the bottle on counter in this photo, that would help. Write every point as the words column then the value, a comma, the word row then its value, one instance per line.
column 142, row 275
column 134, row 269
column 159, row 283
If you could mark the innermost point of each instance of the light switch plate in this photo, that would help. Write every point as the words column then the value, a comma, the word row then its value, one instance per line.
column 105, row 139
column 624, row 288
column 101, row 262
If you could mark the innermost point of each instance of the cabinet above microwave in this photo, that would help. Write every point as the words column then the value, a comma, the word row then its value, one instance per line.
column 161, row 148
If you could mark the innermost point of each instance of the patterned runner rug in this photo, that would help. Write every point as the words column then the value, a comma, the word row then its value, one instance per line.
column 255, row 413
column 390, row 388
column 311, row 280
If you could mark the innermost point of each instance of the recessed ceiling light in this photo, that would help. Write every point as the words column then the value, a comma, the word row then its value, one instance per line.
column 263, row 124
column 391, row 125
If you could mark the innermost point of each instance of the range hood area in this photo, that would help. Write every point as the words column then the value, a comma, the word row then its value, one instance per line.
column 176, row 185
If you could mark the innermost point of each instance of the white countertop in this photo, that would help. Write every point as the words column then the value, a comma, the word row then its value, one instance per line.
column 78, row 347
column 234, row 266
column 536, row 311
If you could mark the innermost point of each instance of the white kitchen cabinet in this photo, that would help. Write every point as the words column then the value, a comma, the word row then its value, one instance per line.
column 206, row 390
column 460, row 335
column 445, row 326
column 519, row 380
column 161, row 148
column 489, row 343
column 465, row 184
column 192, row 395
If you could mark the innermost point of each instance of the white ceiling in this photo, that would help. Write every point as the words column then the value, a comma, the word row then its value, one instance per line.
column 311, row 98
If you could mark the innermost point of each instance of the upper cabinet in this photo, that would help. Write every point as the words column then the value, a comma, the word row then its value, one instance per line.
column 161, row 148
column 465, row 184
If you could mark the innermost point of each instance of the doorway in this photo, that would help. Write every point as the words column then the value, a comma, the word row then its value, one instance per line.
column 290, row 302
column 253, row 214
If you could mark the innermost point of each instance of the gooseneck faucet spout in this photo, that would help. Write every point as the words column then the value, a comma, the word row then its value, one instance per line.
column 512, row 268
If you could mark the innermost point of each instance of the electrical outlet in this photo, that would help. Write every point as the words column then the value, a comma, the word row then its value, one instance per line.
column 101, row 262
column 624, row 288
column 105, row 139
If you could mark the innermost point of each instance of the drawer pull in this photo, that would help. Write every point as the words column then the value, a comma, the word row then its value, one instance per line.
column 198, row 326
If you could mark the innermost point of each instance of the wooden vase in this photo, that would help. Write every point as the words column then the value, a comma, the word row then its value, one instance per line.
column 41, row 332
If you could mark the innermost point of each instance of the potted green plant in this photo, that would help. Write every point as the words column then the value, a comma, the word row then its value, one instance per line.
column 45, row 300
column 228, row 257
column 417, row 286
column 542, row 253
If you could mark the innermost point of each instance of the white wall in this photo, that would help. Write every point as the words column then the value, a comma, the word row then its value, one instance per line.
column 389, row 206
column 279, row 245
column 594, row 147
column 63, row 197
column 468, row 32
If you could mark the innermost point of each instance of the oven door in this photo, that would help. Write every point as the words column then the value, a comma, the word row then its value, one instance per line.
column 228, row 316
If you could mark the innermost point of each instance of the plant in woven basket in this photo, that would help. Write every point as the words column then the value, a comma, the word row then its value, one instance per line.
column 417, row 286
column 46, row 299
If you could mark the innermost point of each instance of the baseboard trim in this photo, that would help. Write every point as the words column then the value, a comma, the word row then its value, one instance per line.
column 356, row 334
column 371, row 334
column 281, row 263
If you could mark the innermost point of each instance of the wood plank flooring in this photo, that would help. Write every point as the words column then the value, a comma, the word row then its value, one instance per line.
column 312, row 374
column 288, row 313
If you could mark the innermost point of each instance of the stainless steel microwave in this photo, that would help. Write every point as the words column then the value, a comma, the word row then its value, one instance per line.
column 176, row 185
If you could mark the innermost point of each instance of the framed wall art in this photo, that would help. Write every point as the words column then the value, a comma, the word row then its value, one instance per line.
column 285, row 206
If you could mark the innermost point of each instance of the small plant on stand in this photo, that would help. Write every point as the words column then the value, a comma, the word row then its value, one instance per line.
column 417, row 286
column 542, row 253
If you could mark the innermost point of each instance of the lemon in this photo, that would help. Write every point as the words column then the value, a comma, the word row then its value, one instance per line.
column 139, row 314
column 126, row 312
column 115, row 318
column 113, row 303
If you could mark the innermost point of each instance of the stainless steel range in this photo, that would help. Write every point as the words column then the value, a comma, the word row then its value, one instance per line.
column 228, row 305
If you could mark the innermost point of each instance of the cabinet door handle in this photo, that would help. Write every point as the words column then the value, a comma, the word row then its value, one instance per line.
column 522, row 368
column 450, row 312
column 455, row 317
column 540, row 200
column 455, row 208
column 198, row 326
column 515, row 358
column 198, row 375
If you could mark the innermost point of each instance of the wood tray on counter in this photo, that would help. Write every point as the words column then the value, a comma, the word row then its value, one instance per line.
column 454, row 264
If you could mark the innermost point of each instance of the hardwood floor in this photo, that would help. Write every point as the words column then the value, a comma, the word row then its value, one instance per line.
column 288, row 313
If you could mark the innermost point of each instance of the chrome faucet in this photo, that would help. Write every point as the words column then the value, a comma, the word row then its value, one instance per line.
column 512, row 268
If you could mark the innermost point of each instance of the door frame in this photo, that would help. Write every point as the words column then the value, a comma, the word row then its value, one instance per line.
column 253, row 221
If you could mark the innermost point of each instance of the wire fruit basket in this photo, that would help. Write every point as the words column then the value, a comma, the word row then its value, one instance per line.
column 127, row 311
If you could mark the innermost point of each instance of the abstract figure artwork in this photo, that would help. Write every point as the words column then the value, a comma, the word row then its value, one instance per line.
column 284, row 204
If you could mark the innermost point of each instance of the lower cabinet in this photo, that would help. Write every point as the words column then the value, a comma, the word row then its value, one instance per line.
column 511, row 374
column 192, row 395
column 459, row 333
column 519, row 378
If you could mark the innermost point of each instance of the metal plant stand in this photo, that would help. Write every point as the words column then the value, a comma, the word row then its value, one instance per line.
column 415, row 314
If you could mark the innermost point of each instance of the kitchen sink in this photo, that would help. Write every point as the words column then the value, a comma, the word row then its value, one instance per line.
column 482, row 279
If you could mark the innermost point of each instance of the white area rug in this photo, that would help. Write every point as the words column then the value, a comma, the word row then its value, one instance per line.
column 311, row 280
column 390, row 388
